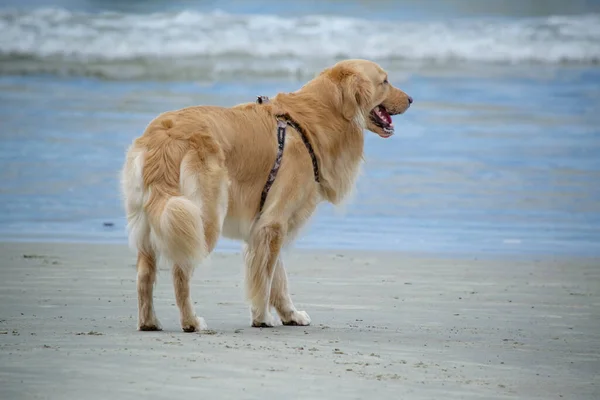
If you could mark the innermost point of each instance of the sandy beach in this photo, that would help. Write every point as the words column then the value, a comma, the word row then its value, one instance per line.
column 384, row 326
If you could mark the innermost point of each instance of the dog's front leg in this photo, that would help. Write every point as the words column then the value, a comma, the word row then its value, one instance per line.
column 262, row 253
column 282, row 301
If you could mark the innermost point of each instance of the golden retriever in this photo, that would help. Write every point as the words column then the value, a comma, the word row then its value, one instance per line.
column 198, row 173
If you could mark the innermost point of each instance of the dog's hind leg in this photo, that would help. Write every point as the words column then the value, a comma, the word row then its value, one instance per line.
column 181, row 282
column 281, row 300
column 139, row 237
column 212, row 220
column 204, row 185
column 146, row 277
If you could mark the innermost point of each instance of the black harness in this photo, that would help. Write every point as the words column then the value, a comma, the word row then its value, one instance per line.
column 283, row 120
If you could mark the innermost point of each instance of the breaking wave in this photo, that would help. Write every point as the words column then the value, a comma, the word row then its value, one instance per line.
column 188, row 44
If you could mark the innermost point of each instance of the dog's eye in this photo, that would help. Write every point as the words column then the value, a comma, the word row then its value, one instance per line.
column 385, row 81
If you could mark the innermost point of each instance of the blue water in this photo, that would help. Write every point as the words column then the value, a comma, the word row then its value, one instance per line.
column 494, row 157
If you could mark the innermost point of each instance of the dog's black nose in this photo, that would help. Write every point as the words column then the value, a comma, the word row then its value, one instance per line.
column 410, row 100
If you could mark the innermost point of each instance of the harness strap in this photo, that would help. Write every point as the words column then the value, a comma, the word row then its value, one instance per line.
column 309, row 147
column 281, row 126
column 282, row 121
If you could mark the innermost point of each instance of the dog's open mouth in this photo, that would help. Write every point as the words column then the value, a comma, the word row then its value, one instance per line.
column 380, row 117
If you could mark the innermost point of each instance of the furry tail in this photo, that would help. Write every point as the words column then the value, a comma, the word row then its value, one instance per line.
column 178, row 232
column 163, row 219
column 175, row 187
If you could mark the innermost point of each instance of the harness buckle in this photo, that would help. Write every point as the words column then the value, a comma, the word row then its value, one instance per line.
column 262, row 99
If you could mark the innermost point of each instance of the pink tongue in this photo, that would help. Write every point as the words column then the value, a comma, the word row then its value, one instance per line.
column 385, row 115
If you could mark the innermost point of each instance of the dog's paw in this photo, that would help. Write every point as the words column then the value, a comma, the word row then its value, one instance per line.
column 266, row 322
column 149, row 328
column 149, row 325
column 297, row 318
column 197, row 324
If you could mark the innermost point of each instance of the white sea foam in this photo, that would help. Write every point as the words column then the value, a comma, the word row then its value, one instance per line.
column 118, row 45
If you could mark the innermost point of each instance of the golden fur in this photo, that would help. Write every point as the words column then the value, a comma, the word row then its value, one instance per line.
column 198, row 173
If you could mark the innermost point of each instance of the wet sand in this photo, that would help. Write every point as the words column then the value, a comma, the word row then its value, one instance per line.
column 385, row 325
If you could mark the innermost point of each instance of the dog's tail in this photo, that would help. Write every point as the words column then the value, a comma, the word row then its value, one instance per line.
column 163, row 200
column 177, row 230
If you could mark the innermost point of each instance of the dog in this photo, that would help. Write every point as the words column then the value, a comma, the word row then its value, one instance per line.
column 203, row 172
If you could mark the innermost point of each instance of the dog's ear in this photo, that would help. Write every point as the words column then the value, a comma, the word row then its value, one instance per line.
column 356, row 93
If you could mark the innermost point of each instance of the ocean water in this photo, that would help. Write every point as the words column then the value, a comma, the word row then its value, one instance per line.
column 500, row 153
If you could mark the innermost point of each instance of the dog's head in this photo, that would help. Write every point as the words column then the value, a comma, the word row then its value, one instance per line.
column 365, row 93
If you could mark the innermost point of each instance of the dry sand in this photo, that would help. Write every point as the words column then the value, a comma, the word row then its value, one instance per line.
column 385, row 326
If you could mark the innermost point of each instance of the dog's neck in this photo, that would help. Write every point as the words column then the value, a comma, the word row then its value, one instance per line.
column 338, row 143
